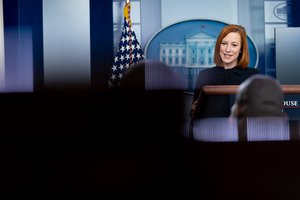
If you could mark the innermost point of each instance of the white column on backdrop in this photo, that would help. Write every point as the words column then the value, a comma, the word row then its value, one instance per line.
column 177, row 10
column 66, row 26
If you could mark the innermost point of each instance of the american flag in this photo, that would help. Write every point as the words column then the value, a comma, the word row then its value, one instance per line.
column 129, row 51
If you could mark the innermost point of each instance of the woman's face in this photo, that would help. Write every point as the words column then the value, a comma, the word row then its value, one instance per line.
column 230, row 49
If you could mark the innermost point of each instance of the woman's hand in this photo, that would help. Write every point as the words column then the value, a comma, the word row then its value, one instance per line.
column 194, row 104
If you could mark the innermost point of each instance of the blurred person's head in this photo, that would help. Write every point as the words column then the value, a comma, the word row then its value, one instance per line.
column 152, row 75
column 231, row 48
column 259, row 96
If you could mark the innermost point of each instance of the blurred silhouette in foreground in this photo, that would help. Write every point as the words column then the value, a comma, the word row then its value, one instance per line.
column 151, row 120
column 259, row 110
column 152, row 102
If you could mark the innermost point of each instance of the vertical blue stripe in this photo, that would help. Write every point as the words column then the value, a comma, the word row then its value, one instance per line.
column 101, row 19
column 22, row 32
column 31, row 15
column 295, row 7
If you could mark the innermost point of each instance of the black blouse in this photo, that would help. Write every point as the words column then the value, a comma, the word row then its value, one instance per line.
column 218, row 105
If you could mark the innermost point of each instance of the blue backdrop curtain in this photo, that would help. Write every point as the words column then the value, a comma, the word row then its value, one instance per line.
column 29, row 13
column 295, row 7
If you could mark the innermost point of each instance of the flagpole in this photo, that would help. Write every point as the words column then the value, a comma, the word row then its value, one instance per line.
column 127, row 11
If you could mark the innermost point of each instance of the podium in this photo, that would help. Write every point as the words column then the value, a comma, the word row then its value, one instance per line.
column 261, row 130
column 291, row 102
column 232, row 89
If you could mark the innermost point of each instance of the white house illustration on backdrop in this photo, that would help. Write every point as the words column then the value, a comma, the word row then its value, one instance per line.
column 188, row 48
column 196, row 51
